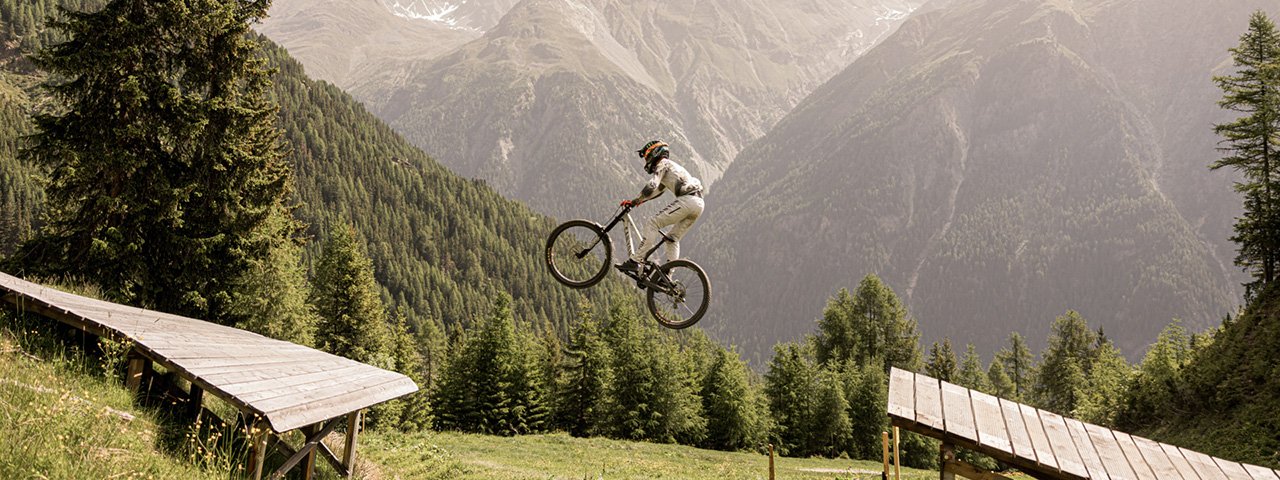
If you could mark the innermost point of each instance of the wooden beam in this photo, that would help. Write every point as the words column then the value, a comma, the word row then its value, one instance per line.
column 333, row 460
column 195, row 402
column 307, row 449
column 309, row 465
column 259, row 432
column 353, row 427
column 133, row 380
column 957, row 467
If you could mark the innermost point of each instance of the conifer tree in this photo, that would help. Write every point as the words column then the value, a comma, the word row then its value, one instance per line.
column 734, row 408
column 828, row 430
column 1103, row 397
column 353, row 322
column 415, row 411
column 867, row 390
column 1252, row 145
column 493, row 386
column 870, row 324
column 1160, row 376
column 971, row 374
column 942, row 362
column 651, row 397
column 791, row 387
column 165, row 166
column 1001, row 385
column 1019, row 365
column 582, row 395
column 1067, row 361
column 271, row 298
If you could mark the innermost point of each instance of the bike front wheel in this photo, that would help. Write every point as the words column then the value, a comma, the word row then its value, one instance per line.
column 679, row 294
column 578, row 253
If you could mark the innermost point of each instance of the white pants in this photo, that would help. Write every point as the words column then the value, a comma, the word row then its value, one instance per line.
column 682, row 213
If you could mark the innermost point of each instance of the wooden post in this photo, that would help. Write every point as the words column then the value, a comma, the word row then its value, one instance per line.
column 349, row 456
column 309, row 465
column 258, row 435
column 195, row 402
column 884, row 446
column 897, row 465
column 134, row 379
column 771, row 461
column 946, row 455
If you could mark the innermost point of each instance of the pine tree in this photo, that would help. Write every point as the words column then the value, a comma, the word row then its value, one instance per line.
column 828, row 430
column 582, row 395
column 165, row 166
column 971, row 374
column 734, row 407
column 1001, row 385
column 870, row 324
column 1061, row 381
column 272, row 295
column 1154, row 389
column 651, row 396
column 942, row 362
column 493, row 385
column 353, row 321
column 791, row 387
column 1019, row 365
column 866, row 389
column 1252, row 143
column 1105, row 392
column 415, row 411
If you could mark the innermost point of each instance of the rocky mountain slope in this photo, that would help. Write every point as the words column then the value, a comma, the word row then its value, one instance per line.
column 548, row 104
column 997, row 163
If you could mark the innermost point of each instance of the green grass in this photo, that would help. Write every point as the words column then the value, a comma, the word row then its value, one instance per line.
column 432, row 455
column 60, row 417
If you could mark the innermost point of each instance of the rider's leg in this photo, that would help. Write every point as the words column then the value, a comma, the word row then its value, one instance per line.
column 693, row 207
column 670, row 214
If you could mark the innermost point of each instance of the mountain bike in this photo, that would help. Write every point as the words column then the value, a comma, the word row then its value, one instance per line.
column 580, row 252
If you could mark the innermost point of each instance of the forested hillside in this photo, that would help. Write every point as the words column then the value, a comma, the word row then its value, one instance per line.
column 442, row 246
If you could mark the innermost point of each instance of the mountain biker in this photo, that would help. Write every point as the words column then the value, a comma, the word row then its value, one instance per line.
column 682, row 212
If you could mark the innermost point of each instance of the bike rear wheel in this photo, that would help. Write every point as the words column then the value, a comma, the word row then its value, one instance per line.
column 679, row 295
column 578, row 253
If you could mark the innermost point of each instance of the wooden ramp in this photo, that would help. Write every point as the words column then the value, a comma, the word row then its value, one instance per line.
column 276, row 384
column 1043, row 444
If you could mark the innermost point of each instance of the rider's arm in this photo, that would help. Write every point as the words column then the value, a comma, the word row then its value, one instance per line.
column 652, row 189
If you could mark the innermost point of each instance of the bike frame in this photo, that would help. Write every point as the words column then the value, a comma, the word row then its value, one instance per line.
column 628, row 225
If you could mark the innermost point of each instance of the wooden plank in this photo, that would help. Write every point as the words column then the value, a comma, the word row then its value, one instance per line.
column 279, row 382
column 992, row 431
column 1108, row 451
column 254, row 373
column 214, row 366
column 1180, row 462
column 1158, row 460
column 958, row 412
column 297, row 415
column 1019, row 439
column 1233, row 470
column 1203, row 464
column 1063, row 447
column 929, row 403
column 1089, row 453
column 1259, row 473
column 1039, row 439
column 902, row 398
column 269, row 401
column 1141, row 467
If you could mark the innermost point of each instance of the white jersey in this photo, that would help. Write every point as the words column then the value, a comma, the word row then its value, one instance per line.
column 669, row 175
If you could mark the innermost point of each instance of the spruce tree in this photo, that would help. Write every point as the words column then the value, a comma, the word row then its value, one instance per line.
column 1001, row 385
column 942, row 362
column 791, row 387
column 1061, row 381
column 582, row 394
column 867, row 390
column 1019, row 365
column 493, row 385
column 736, row 419
column 1252, row 145
column 650, row 397
column 971, row 374
column 353, row 322
column 869, row 324
column 1107, row 387
column 164, row 161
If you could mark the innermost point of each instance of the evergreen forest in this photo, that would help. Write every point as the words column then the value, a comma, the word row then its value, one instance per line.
column 346, row 238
